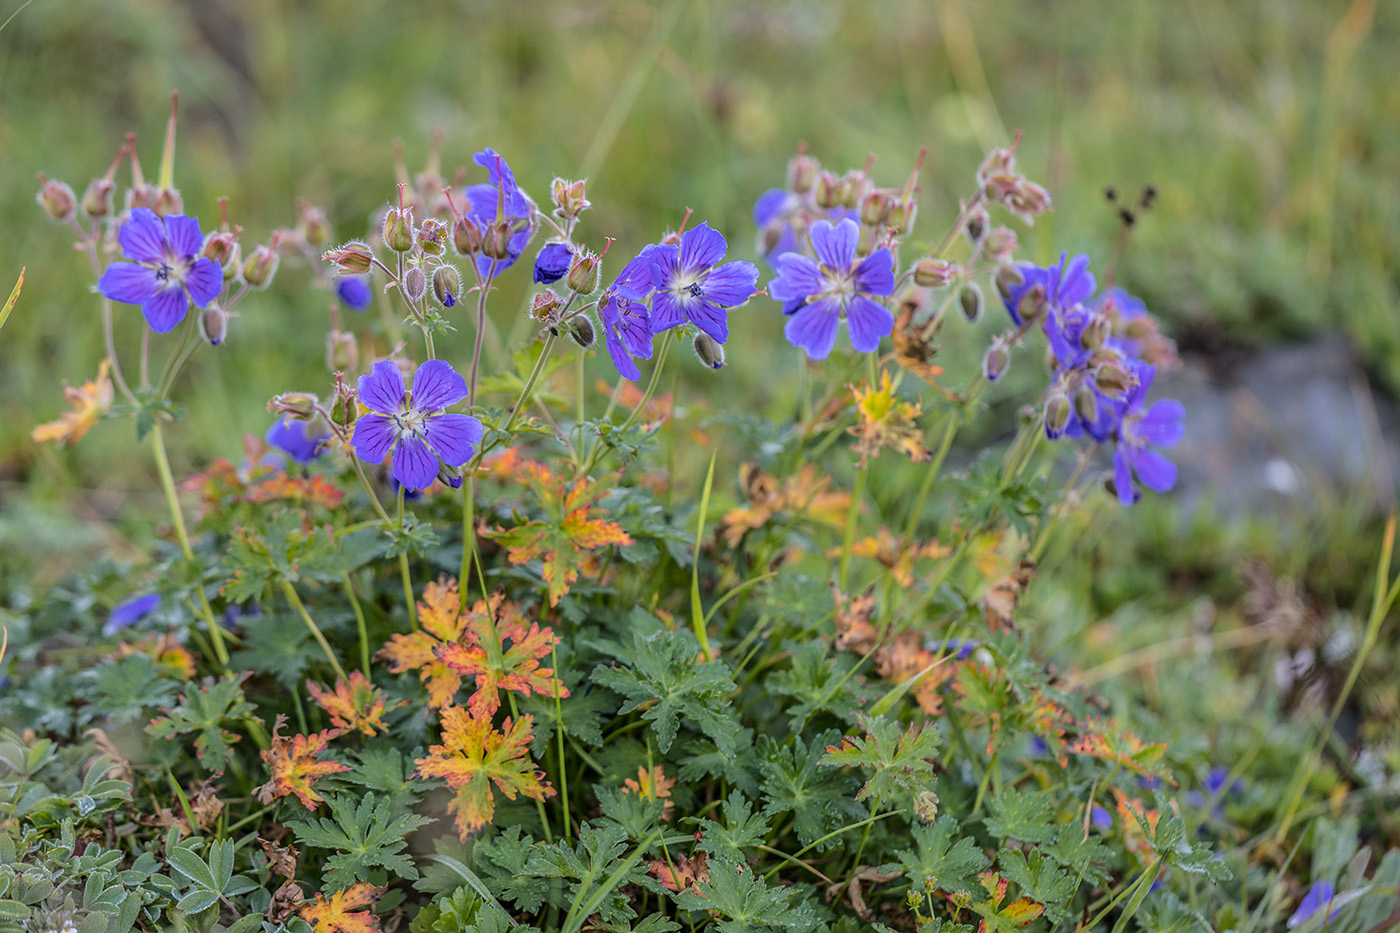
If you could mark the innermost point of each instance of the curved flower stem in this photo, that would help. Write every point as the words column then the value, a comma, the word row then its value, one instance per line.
column 290, row 592
column 359, row 622
column 483, row 288
column 403, row 573
column 146, row 355
column 468, row 537
column 636, row 412
column 107, row 336
column 1042, row 538
column 167, row 482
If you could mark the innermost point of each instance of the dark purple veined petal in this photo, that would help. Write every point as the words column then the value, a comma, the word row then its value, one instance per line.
column 415, row 466
column 204, row 280
column 128, row 283
column 436, row 385
column 634, row 324
column 617, row 349
column 869, row 323
column 1123, row 477
column 798, row 277
column 639, row 276
column 166, row 308
column 1153, row 468
column 454, row 438
column 374, row 436
column 710, row 318
column 382, row 387
column 701, row 247
column 143, row 236
column 1162, row 424
column 731, row 284
column 835, row 244
column 184, row 234
column 875, row 274
column 666, row 312
column 813, row 328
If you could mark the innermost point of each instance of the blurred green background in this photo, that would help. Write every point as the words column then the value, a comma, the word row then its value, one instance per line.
column 1271, row 129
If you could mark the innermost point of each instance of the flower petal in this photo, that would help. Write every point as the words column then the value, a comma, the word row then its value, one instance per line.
column 382, row 388
column 414, row 464
column 166, row 308
column 769, row 205
column 701, row 248
column 454, row 438
column 813, row 328
column 666, row 312
column 1123, row 477
column 1076, row 284
column 731, row 284
column 835, row 244
column 1153, row 469
column 185, row 236
column 798, row 277
column 1161, row 423
column 869, row 322
column 374, row 436
column 204, row 280
column 622, row 360
column 436, row 385
column 142, row 237
column 710, row 318
column 128, row 283
column 875, row 274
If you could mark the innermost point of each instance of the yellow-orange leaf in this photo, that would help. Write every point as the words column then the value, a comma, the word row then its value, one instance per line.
column 355, row 705
column 441, row 621
column 518, row 651
column 343, row 913
column 90, row 402
column 295, row 765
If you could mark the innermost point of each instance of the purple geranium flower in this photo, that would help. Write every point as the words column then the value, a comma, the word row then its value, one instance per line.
column 835, row 286
column 354, row 290
column 167, row 271
column 1319, row 896
column 626, row 323
column 1064, row 287
column 296, row 438
column 130, row 612
column 1158, row 425
column 500, row 199
column 553, row 262
column 692, row 286
column 415, row 428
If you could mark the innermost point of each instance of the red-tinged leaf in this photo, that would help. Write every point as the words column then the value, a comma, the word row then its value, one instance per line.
column 295, row 765
column 343, row 913
column 498, row 624
column 355, row 705
column 1101, row 739
column 998, row 919
column 441, row 622
column 473, row 756
column 593, row 532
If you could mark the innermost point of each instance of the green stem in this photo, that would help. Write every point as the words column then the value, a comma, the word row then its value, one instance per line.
column 632, row 418
column 404, row 574
column 290, row 592
column 167, row 483
column 359, row 623
column 850, row 533
column 468, row 538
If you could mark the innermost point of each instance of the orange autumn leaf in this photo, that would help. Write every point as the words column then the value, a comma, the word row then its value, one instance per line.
column 499, row 651
column 1101, row 739
column 653, row 785
column 90, row 401
column 896, row 554
column 883, row 421
column 300, row 490
column 473, row 756
column 687, row 872
column 295, row 765
column 343, row 913
column 806, row 493
column 441, row 622
column 355, row 705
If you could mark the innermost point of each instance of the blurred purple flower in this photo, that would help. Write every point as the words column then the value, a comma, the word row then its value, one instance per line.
column 168, row 270
column 130, row 612
column 500, row 199
column 1319, row 895
column 835, row 286
column 354, row 291
column 1063, row 286
column 692, row 286
column 1158, row 425
column 296, row 439
column 415, row 427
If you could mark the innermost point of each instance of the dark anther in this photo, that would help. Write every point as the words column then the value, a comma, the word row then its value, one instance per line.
column 695, row 289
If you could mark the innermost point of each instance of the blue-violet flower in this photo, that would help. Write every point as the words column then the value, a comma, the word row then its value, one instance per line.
column 553, row 262
column 297, row 438
column 415, row 428
column 354, row 291
column 501, row 199
column 1159, row 425
column 835, row 286
column 626, row 323
column 167, row 269
column 691, row 285
column 130, row 612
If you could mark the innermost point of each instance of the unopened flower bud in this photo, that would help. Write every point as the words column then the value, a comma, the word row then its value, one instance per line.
column 342, row 351
column 998, row 162
column 1094, row 332
column 297, row 404
column 56, row 198
column 1008, row 279
column 466, row 236
column 260, row 267
column 581, row 329
column 585, row 273
column 901, row 217
column 1033, row 305
column 865, row 243
column 1113, row 380
column 414, row 283
column 995, row 362
column 351, row 259
column 447, row 285
column 932, row 272
column 213, row 324
column 977, row 223
column 1086, row 404
column 569, row 197
column 313, row 225
column 970, row 300
column 496, row 241
column 449, row 475
column 854, row 187
column 828, row 190
column 1001, row 245
column 432, row 237
column 875, row 208
column 802, row 173
column 545, row 305
column 1028, row 199
column 709, row 350
column 1057, row 412
column 97, row 199
column 398, row 230
column 168, row 201
column 344, row 412
column 142, row 195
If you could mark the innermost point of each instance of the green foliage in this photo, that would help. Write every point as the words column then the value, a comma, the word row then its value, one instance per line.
column 746, row 902
column 364, row 834
column 206, row 713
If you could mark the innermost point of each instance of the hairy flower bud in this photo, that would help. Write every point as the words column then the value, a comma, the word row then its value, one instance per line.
column 168, row 201
column 297, row 404
column 1094, row 332
column 414, row 283
column 496, row 240
column 581, row 329
column 545, row 305
column 875, row 208
column 828, row 190
column 1033, row 304
column 342, row 351
column 447, row 285
column 978, row 220
column 970, row 300
column 1057, row 412
column 585, row 273
column 260, row 267
column 56, row 198
column 901, row 217
column 1113, row 379
column 466, row 236
column 1086, row 405
column 351, row 259
column 865, row 243
column 569, row 197
column 398, row 230
column 449, row 475
column 932, row 272
column 97, row 199
column 313, row 225
column 432, row 237
column 141, row 194
column 1008, row 279
column 855, row 185
column 1001, row 245
column 996, row 361
column 802, row 173
column 709, row 351
column 213, row 324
